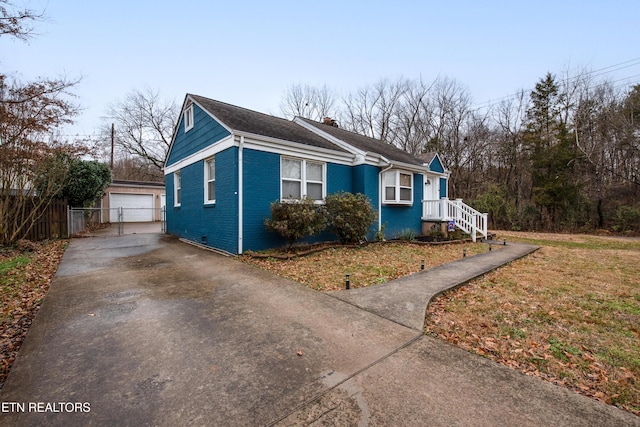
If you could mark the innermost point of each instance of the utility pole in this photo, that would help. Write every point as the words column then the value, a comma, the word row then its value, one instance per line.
column 112, row 142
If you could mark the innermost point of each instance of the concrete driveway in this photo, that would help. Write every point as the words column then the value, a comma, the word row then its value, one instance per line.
column 146, row 330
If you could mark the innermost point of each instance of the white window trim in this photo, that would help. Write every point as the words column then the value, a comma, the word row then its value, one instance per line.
column 397, row 185
column 208, row 179
column 177, row 189
column 188, row 118
column 303, row 179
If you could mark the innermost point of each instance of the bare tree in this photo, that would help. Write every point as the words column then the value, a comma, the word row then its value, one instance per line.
column 412, row 131
column 374, row 110
column 144, row 124
column 30, row 114
column 16, row 22
column 307, row 101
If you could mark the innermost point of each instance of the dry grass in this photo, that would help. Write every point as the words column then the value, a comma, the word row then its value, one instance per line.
column 569, row 313
column 366, row 265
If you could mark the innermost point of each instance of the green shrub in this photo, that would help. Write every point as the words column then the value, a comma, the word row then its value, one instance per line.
column 294, row 220
column 350, row 216
column 406, row 234
column 627, row 219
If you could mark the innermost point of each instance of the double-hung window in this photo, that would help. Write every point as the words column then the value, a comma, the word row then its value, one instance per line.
column 398, row 187
column 176, row 188
column 188, row 118
column 302, row 178
column 210, row 180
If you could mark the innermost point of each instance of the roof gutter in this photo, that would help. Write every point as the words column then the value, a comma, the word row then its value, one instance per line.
column 240, row 194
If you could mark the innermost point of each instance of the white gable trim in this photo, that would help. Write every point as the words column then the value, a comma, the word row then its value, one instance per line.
column 211, row 150
column 446, row 172
column 188, row 102
column 212, row 115
column 295, row 149
column 270, row 145
column 340, row 143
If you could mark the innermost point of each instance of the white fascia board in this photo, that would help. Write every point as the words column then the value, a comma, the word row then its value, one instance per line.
column 446, row 172
column 340, row 143
column 175, row 132
column 295, row 149
column 409, row 167
column 205, row 153
column 361, row 157
column 263, row 143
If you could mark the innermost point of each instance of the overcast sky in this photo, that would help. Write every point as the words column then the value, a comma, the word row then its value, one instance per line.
column 248, row 52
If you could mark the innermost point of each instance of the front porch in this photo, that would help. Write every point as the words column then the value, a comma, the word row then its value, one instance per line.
column 464, row 216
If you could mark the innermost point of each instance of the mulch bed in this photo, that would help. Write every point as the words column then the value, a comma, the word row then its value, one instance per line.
column 308, row 249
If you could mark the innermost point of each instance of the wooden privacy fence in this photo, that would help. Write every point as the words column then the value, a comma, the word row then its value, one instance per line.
column 50, row 221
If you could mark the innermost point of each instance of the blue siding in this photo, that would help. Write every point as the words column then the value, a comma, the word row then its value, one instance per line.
column 261, row 181
column 443, row 188
column 436, row 166
column 339, row 178
column 262, row 187
column 397, row 218
column 194, row 220
column 365, row 181
column 204, row 133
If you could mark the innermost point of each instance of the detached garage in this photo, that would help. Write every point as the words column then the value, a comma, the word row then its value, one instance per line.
column 135, row 207
column 140, row 201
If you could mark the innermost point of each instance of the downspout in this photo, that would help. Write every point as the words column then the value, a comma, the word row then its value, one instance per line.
column 380, row 189
column 240, row 194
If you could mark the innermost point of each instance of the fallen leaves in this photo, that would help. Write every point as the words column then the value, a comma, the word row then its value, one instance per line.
column 568, row 315
column 366, row 265
column 23, row 288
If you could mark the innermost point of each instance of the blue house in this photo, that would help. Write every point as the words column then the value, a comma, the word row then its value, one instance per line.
column 227, row 164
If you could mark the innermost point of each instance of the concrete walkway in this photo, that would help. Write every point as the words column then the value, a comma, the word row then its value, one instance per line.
column 144, row 330
column 405, row 300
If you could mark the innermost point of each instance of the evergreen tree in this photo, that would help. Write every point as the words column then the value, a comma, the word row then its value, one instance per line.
column 553, row 157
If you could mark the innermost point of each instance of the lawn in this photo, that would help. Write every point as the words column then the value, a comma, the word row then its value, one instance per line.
column 569, row 313
column 24, row 281
column 366, row 265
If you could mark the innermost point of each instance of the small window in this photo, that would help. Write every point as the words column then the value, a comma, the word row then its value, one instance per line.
column 398, row 187
column 210, row 180
column 176, row 188
column 291, row 179
column 302, row 178
column 188, row 118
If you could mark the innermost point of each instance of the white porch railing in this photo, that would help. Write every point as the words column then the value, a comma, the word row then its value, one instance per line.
column 465, row 217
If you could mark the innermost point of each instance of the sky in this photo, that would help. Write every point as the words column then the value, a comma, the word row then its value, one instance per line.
column 248, row 52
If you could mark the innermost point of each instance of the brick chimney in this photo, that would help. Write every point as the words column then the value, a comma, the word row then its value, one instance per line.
column 330, row 122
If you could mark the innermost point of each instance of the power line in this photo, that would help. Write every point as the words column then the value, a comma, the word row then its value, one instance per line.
column 595, row 73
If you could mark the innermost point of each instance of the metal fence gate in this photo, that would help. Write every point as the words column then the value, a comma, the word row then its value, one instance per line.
column 118, row 221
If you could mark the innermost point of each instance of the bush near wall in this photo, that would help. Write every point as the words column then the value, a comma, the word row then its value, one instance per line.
column 348, row 215
column 295, row 220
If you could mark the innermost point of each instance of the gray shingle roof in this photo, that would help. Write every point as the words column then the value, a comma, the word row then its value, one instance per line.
column 244, row 120
column 365, row 143
column 427, row 157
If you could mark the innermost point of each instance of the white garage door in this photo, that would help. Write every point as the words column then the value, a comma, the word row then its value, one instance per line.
column 135, row 207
